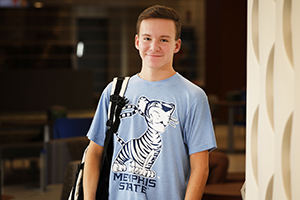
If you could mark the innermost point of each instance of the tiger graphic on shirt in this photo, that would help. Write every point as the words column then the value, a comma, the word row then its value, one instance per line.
column 141, row 153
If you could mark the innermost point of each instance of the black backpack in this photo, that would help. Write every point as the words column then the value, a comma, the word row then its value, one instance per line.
column 117, row 102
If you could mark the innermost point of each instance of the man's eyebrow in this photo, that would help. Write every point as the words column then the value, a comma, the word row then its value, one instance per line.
column 167, row 36
column 145, row 34
column 162, row 36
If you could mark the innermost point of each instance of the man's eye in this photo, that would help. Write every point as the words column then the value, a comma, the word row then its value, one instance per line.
column 164, row 40
column 147, row 39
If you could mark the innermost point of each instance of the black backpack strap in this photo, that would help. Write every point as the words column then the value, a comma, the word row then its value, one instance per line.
column 116, row 98
column 117, row 102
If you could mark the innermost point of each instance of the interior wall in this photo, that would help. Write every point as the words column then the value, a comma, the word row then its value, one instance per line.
column 273, row 96
column 47, row 37
column 225, row 46
column 29, row 35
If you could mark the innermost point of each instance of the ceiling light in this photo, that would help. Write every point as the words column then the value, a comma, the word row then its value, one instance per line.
column 38, row 4
column 80, row 49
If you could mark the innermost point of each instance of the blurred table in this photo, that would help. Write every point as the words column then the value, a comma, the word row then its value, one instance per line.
column 45, row 125
column 36, row 119
column 6, row 197
column 224, row 191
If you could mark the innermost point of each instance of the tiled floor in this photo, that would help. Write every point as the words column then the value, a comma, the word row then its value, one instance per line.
column 53, row 192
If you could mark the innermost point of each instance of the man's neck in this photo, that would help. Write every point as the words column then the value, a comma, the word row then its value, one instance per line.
column 156, row 75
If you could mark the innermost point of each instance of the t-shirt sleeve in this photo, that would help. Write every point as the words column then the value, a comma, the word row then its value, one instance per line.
column 98, row 127
column 199, row 129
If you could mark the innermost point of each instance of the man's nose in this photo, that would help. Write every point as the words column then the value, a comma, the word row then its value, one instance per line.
column 154, row 46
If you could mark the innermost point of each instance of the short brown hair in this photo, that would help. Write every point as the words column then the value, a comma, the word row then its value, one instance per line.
column 160, row 12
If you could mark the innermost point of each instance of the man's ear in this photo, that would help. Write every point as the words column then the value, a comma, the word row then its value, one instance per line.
column 137, row 42
column 177, row 46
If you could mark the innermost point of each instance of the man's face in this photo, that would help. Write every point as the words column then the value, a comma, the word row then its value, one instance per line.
column 156, row 43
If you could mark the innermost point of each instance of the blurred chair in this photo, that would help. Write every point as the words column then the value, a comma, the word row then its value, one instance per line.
column 239, row 111
column 68, row 144
column 71, row 127
column 69, row 179
column 60, row 153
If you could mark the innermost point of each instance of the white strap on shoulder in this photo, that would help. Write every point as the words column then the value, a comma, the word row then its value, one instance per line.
column 122, row 90
column 124, row 86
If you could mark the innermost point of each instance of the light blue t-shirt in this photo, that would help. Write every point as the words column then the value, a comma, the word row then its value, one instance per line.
column 164, row 122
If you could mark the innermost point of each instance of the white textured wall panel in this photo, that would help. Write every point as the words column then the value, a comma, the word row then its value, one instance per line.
column 273, row 90
column 266, row 137
column 252, row 100
column 295, row 136
column 283, row 99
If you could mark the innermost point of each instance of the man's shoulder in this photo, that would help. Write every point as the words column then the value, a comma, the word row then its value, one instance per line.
column 189, row 85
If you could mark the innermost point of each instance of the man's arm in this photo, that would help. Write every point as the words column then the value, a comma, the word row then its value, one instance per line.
column 92, row 170
column 198, row 177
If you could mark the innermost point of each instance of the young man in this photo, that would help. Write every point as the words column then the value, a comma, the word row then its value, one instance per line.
column 162, row 145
